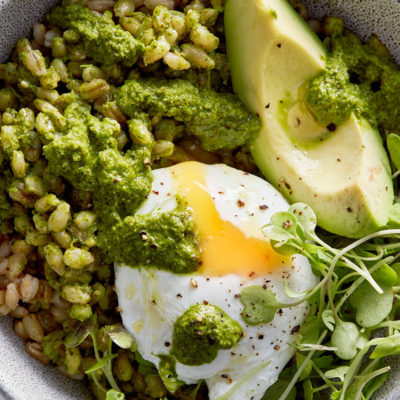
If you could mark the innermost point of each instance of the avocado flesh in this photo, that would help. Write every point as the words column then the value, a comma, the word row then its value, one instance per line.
column 343, row 175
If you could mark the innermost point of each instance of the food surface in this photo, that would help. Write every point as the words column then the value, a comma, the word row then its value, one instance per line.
column 135, row 258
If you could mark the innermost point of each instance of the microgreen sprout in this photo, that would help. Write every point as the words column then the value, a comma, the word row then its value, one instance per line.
column 393, row 143
column 167, row 372
column 81, row 332
column 246, row 376
column 121, row 337
column 103, row 362
column 358, row 295
column 114, row 395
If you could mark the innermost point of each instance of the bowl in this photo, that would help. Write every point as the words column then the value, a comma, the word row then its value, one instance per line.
column 21, row 377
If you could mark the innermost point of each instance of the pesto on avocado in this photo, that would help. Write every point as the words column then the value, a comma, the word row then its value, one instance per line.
column 358, row 79
column 86, row 155
column 200, row 332
column 219, row 120
column 104, row 41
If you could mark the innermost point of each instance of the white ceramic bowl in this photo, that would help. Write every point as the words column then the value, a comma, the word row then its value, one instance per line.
column 21, row 377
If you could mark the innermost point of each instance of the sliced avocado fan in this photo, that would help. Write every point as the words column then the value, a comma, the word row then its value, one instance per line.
column 342, row 172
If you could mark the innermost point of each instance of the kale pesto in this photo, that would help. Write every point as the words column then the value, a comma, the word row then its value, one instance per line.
column 86, row 155
column 358, row 79
column 201, row 331
column 165, row 240
column 219, row 120
column 104, row 41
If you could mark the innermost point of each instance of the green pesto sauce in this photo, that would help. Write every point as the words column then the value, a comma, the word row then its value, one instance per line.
column 52, row 345
column 358, row 79
column 101, row 39
column 200, row 332
column 86, row 155
column 164, row 240
column 219, row 120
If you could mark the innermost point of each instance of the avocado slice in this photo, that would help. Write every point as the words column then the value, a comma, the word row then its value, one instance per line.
column 342, row 172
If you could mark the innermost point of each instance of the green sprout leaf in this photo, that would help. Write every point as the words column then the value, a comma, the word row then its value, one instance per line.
column 347, row 338
column 308, row 390
column 115, row 395
column 275, row 391
column 277, row 234
column 243, row 379
column 300, row 359
column 388, row 346
column 193, row 393
column 145, row 367
column 324, row 362
column 291, row 293
column 121, row 337
column 365, row 292
column 329, row 319
column 282, row 232
column 285, row 220
column 393, row 143
column 374, row 384
column 338, row 373
column 371, row 307
column 166, row 370
column 260, row 305
column 101, row 363
column 385, row 275
column 81, row 332
column 309, row 330
column 305, row 216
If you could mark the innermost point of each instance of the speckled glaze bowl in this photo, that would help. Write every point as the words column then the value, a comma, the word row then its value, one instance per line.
column 21, row 377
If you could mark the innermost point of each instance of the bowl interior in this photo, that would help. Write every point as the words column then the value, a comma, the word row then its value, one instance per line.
column 23, row 378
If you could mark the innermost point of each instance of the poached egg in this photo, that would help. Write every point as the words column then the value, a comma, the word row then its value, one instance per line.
column 229, row 207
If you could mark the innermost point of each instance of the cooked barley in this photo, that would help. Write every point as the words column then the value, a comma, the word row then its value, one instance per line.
column 20, row 246
column 28, row 288
column 33, row 327
column 19, row 312
column 39, row 31
column 93, row 89
column 4, row 310
column 152, row 4
column 5, row 249
column 16, row 264
column 124, row 7
column 12, row 296
column 77, row 258
column 3, row 266
column 176, row 61
column 203, row 38
column 100, row 5
column 34, row 349
column 59, row 218
column 20, row 330
column 48, row 38
column 197, row 56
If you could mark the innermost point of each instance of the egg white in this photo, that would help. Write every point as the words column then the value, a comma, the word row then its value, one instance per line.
column 151, row 299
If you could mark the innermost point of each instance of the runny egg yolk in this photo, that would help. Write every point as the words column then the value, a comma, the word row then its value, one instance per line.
column 225, row 249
